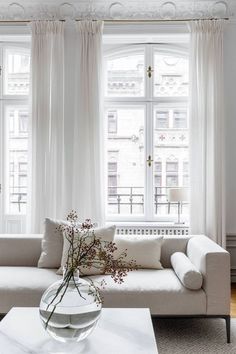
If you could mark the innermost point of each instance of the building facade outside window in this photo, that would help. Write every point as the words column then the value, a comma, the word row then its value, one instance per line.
column 112, row 122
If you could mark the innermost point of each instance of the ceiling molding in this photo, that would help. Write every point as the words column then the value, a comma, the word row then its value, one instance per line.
column 112, row 9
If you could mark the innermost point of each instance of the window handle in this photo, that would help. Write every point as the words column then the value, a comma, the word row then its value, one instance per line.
column 149, row 71
column 149, row 160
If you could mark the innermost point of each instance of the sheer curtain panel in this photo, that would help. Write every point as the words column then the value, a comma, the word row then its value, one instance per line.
column 67, row 121
column 207, row 214
column 47, row 123
column 88, row 177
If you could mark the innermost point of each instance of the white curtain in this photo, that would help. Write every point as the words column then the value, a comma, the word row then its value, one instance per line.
column 47, row 133
column 88, row 178
column 207, row 130
column 67, row 129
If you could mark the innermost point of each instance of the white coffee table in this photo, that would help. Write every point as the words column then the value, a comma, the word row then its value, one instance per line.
column 119, row 331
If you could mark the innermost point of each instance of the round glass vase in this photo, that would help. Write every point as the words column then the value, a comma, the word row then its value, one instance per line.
column 70, row 308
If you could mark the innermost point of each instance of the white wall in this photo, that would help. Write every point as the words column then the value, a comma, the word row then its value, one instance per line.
column 230, row 138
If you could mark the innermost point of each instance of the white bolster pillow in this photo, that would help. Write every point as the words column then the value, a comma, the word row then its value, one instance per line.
column 187, row 273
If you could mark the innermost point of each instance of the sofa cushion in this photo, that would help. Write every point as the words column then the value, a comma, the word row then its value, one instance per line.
column 160, row 290
column 52, row 244
column 24, row 286
column 187, row 273
column 105, row 234
column 144, row 250
column 171, row 245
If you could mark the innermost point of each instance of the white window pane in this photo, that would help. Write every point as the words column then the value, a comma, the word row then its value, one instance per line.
column 171, row 166
column 16, row 159
column 162, row 119
column 16, row 71
column 125, row 76
column 170, row 161
column 185, row 181
column 172, row 180
column 112, row 167
column 170, row 76
column 186, row 167
column 180, row 119
column 112, row 122
column 158, row 166
column 125, row 159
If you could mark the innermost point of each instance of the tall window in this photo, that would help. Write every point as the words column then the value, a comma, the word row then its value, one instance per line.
column 146, row 94
column 14, row 90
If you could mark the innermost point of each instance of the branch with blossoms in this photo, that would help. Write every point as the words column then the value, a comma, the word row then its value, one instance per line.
column 87, row 251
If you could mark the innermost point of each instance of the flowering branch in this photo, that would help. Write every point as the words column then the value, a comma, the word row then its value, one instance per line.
column 86, row 251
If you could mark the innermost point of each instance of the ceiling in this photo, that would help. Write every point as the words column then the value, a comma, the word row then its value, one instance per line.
column 112, row 9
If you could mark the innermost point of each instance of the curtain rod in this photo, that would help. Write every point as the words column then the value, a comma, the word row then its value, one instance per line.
column 122, row 21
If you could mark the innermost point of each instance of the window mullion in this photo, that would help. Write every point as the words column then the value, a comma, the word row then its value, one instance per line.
column 148, row 80
column 149, row 138
column 149, row 169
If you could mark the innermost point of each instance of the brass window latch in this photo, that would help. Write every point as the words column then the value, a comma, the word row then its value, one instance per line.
column 149, row 71
column 149, row 160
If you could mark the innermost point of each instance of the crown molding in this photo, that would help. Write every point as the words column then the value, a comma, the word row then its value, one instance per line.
column 112, row 9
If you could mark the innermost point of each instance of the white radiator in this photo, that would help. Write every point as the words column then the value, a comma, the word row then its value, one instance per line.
column 152, row 230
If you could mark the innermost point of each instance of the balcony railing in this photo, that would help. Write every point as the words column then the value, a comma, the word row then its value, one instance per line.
column 18, row 196
column 131, row 199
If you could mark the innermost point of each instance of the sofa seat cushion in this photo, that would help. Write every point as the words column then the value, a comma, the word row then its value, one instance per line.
column 24, row 286
column 160, row 290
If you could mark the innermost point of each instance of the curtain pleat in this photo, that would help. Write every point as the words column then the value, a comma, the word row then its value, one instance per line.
column 88, row 178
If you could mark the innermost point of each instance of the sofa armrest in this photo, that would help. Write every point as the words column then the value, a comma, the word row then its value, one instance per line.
column 214, row 264
column 20, row 249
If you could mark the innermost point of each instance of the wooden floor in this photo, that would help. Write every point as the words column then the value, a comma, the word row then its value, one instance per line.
column 233, row 300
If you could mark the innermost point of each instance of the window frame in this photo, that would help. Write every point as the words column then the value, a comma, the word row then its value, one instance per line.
column 149, row 101
column 10, row 222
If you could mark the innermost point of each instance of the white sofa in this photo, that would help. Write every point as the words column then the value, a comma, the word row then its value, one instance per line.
column 22, row 283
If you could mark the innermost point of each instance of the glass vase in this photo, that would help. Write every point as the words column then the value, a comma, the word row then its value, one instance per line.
column 70, row 308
